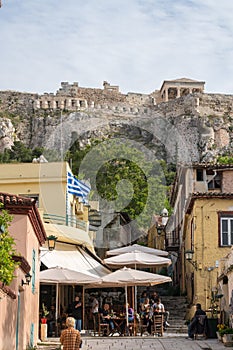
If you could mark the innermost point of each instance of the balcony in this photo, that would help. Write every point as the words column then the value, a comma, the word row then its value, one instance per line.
column 172, row 241
column 67, row 221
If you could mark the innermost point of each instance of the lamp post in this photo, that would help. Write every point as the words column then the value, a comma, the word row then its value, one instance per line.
column 51, row 242
column 27, row 278
column 160, row 230
column 189, row 257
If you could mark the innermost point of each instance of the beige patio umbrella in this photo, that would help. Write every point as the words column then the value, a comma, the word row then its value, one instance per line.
column 137, row 247
column 65, row 276
column 136, row 259
column 59, row 275
column 129, row 277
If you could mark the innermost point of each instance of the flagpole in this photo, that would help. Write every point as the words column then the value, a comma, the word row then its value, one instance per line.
column 67, row 221
column 61, row 136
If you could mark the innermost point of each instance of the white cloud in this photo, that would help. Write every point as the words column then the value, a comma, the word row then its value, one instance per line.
column 135, row 44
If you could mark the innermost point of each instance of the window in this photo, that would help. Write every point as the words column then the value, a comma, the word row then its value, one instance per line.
column 214, row 179
column 226, row 231
column 199, row 174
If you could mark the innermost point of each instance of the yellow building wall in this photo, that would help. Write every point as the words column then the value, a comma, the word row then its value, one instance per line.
column 205, row 245
column 46, row 179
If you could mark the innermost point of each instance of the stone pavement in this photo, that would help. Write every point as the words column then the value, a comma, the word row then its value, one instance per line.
column 167, row 342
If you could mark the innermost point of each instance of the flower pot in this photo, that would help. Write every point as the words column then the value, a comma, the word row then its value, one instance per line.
column 227, row 339
column 219, row 336
column 44, row 320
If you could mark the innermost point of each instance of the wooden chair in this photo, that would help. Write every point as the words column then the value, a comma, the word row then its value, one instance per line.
column 95, row 320
column 200, row 329
column 143, row 327
column 132, row 327
column 103, row 328
column 157, row 325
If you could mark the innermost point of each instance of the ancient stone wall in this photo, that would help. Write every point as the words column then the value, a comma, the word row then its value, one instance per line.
column 202, row 122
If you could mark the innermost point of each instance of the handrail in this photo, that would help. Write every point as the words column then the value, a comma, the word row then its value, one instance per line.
column 69, row 220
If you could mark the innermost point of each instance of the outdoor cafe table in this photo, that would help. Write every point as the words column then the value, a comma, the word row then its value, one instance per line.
column 119, row 324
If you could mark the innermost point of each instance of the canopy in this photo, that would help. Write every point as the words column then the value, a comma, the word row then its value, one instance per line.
column 74, row 258
column 65, row 276
column 68, row 234
column 136, row 259
column 141, row 248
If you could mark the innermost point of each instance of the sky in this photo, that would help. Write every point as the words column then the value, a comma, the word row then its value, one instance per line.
column 135, row 44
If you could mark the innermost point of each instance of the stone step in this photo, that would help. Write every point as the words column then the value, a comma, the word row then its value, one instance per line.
column 176, row 305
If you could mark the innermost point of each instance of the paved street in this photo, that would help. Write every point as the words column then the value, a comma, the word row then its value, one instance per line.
column 168, row 342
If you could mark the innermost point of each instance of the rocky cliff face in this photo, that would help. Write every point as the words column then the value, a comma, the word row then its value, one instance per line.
column 194, row 128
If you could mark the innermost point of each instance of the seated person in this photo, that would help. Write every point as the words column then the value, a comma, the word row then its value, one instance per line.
column 106, row 317
column 158, row 308
column 143, row 297
column 130, row 313
column 130, row 318
column 51, row 321
column 146, row 314
column 154, row 297
column 193, row 324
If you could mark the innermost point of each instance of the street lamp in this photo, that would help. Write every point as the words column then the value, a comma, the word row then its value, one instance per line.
column 160, row 230
column 27, row 278
column 189, row 257
column 51, row 242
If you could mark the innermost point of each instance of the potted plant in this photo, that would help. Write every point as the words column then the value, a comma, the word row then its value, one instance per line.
column 45, row 313
column 226, row 333
column 221, row 328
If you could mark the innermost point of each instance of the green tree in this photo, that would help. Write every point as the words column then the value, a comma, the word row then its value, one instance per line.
column 7, row 249
column 18, row 153
column 124, row 176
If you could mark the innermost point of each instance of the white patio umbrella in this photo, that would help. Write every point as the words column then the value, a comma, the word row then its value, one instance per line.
column 129, row 277
column 138, row 247
column 62, row 275
column 59, row 275
column 136, row 259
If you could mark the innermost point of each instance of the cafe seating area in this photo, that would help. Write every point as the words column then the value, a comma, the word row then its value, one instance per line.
column 134, row 328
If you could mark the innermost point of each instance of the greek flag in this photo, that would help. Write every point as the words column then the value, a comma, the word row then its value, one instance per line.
column 76, row 187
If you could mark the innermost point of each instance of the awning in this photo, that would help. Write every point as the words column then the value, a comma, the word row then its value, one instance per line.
column 74, row 258
column 69, row 234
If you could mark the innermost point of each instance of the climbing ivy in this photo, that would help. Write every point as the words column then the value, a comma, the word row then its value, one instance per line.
column 7, row 249
column 225, row 159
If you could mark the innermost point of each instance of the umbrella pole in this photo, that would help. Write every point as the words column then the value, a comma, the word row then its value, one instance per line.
column 126, row 307
column 56, row 314
column 135, row 298
column 83, row 302
column 135, row 293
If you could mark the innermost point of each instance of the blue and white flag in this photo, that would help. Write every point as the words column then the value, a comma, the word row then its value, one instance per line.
column 76, row 187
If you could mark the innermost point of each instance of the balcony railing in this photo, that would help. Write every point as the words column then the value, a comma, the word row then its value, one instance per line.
column 172, row 240
column 67, row 221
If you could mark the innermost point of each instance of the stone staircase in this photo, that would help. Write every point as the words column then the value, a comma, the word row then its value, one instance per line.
column 176, row 305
